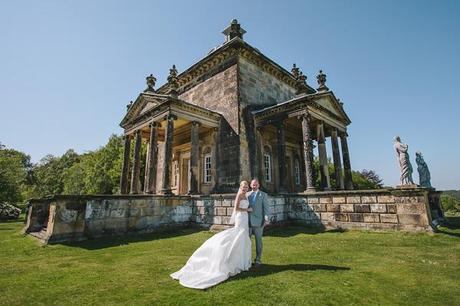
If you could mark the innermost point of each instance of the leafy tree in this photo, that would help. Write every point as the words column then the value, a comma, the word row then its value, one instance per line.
column 48, row 174
column 15, row 169
column 366, row 179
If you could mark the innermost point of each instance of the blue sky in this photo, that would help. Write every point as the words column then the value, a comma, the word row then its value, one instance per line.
column 68, row 68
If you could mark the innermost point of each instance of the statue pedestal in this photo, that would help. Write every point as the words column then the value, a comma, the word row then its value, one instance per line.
column 409, row 186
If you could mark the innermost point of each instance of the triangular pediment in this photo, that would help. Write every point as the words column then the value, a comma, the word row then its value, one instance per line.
column 143, row 103
column 329, row 102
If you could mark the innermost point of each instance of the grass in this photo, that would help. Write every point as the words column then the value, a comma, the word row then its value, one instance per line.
column 302, row 267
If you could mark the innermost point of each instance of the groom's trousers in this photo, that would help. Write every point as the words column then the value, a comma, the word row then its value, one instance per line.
column 257, row 231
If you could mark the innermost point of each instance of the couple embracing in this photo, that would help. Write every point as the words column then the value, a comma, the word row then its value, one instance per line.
column 229, row 252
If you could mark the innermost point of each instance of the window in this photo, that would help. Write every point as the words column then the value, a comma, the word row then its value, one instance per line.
column 176, row 172
column 207, row 168
column 297, row 171
column 268, row 167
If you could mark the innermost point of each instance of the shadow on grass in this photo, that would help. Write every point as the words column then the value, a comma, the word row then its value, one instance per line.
column 293, row 230
column 113, row 241
column 267, row 269
column 451, row 228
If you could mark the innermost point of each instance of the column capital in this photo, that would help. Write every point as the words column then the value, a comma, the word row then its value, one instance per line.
column 170, row 117
column 154, row 124
column 196, row 123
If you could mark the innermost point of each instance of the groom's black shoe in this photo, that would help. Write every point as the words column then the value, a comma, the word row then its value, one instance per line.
column 256, row 266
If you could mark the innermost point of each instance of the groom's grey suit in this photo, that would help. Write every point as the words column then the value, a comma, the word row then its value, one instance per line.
column 258, row 201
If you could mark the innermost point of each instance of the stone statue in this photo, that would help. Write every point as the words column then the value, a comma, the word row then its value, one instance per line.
column 404, row 162
column 423, row 172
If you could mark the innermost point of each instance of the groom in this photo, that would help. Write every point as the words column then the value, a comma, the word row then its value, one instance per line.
column 258, row 218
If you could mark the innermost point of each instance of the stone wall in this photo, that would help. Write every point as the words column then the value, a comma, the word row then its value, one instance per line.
column 67, row 218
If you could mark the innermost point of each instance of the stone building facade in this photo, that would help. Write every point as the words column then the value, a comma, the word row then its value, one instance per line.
column 232, row 116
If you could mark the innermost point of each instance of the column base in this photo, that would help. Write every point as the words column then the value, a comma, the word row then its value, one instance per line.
column 166, row 192
column 310, row 190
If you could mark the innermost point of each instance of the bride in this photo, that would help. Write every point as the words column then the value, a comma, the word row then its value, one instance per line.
column 223, row 255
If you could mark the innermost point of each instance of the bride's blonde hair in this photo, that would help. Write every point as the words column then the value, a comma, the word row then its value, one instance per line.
column 242, row 183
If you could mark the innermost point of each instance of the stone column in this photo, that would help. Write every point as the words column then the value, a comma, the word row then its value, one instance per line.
column 259, row 160
column 166, row 184
column 323, row 169
column 194, row 157
column 136, row 164
column 281, row 149
column 150, row 180
column 125, row 168
column 346, row 162
column 308, row 152
column 339, row 184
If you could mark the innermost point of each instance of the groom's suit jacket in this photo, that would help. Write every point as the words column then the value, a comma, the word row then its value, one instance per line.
column 260, row 208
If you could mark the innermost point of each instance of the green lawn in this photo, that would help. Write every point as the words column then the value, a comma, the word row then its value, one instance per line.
column 302, row 267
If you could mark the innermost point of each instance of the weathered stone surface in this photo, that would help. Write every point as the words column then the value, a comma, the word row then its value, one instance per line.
column 354, row 217
column 313, row 200
column 362, row 208
column 411, row 208
column 369, row 199
column 74, row 218
column 378, row 208
column 386, row 199
column 325, row 200
column 333, row 207
column 346, row 207
column 341, row 217
column 339, row 200
column 388, row 218
column 409, row 199
column 391, row 208
column 371, row 218
column 415, row 219
column 328, row 216
column 318, row 207
column 354, row 199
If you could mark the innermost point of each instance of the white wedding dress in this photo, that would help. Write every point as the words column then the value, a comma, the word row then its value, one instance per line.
column 223, row 255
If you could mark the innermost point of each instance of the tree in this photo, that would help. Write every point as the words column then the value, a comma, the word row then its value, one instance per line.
column 15, row 168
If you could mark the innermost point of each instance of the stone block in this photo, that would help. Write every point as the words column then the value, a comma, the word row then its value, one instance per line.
column 327, row 216
column 318, row 207
column 229, row 211
column 333, row 207
column 227, row 203
column 221, row 211
column 341, row 217
column 386, row 199
column 356, row 217
column 414, row 219
column 388, row 218
column 339, row 200
column 312, row 200
column 409, row 199
column 411, row 208
column 347, row 207
column 325, row 200
column 362, row 208
column 371, row 218
column 354, row 199
column 369, row 199
column 217, row 220
column 378, row 208
column 391, row 208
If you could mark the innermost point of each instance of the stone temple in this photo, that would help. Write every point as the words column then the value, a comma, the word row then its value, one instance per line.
column 234, row 115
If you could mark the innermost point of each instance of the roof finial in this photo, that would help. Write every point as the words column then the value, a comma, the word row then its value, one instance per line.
column 300, row 78
column 321, row 78
column 173, row 81
column 150, row 83
column 233, row 30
